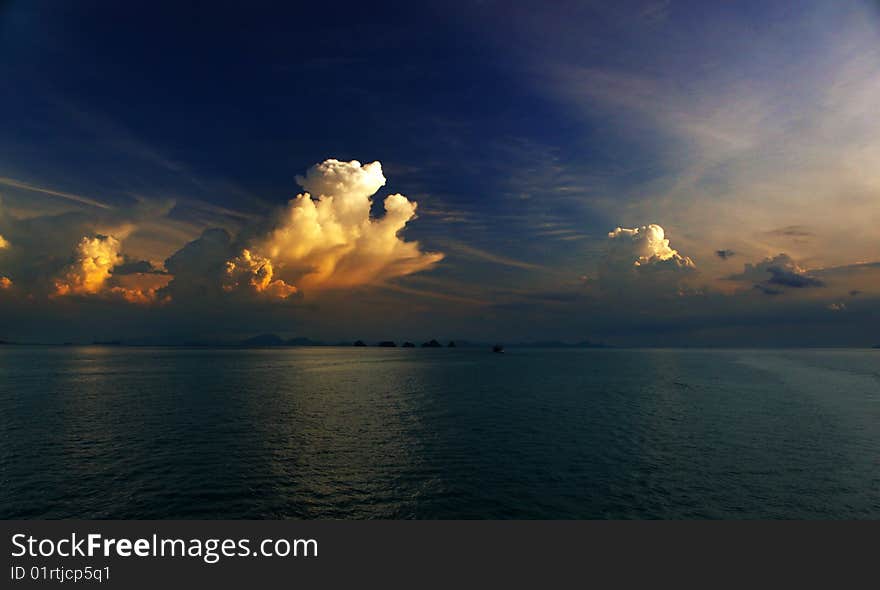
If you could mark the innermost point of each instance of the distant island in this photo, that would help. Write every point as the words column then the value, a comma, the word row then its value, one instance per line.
column 271, row 340
column 274, row 340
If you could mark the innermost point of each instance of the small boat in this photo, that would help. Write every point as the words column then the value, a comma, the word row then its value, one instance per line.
column 498, row 348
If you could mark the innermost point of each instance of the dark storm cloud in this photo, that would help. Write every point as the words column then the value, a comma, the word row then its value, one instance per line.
column 129, row 267
column 199, row 267
column 786, row 277
column 779, row 271
column 724, row 254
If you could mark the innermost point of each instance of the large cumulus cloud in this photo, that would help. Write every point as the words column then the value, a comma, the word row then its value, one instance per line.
column 645, row 246
column 199, row 268
column 93, row 263
column 640, row 267
column 93, row 272
column 326, row 238
column 255, row 271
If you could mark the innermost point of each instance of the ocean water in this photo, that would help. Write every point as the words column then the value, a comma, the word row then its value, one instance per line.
column 91, row 432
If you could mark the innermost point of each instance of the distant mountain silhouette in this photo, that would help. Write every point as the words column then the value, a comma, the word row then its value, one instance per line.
column 387, row 344
column 360, row 343
column 432, row 344
column 409, row 345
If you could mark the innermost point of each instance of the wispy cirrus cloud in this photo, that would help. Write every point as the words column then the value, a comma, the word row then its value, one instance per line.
column 80, row 199
column 735, row 128
column 468, row 251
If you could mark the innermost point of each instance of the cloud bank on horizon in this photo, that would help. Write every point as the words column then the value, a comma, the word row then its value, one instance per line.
column 326, row 242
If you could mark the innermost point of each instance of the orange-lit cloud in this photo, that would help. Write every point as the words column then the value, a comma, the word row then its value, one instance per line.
column 139, row 296
column 325, row 238
column 143, row 288
column 644, row 246
column 5, row 282
column 91, row 273
column 93, row 262
column 255, row 271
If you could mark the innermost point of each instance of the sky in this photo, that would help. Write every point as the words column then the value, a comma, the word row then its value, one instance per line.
column 644, row 173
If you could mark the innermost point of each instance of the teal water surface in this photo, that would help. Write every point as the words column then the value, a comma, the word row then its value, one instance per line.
column 92, row 432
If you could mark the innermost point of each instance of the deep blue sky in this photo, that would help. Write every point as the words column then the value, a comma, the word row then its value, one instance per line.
column 526, row 132
column 254, row 93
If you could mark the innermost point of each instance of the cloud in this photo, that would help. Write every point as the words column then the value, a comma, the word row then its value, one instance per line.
column 93, row 273
column 789, row 278
column 646, row 246
column 330, row 241
column 45, row 248
column 323, row 239
column 837, row 306
column 5, row 282
column 776, row 272
column 767, row 129
column 199, row 268
column 129, row 267
column 474, row 253
column 257, row 272
column 639, row 267
column 724, row 254
column 792, row 231
column 140, row 294
column 11, row 182
column 348, row 184
column 93, row 262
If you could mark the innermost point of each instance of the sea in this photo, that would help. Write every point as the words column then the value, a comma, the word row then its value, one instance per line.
column 396, row 433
